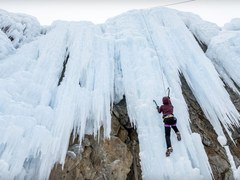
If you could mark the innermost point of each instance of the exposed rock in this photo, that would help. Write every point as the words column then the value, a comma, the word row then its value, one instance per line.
column 216, row 153
column 234, row 96
column 123, row 135
column 118, row 157
column 115, row 126
column 234, row 146
column 114, row 158
column 120, row 112
column 107, row 159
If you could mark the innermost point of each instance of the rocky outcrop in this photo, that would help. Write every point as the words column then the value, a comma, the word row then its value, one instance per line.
column 118, row 157
column 113, row 158
column 235, row 144
column 199, row 123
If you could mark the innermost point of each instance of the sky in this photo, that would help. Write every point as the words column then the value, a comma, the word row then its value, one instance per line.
column 98, row 11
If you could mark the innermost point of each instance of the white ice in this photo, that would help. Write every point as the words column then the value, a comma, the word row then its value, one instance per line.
column 68, row 80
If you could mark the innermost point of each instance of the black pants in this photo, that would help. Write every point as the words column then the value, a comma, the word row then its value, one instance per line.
column 170, row 123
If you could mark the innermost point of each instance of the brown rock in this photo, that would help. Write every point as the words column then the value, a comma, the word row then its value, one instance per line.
column 115, row 126
column 100, row 159
column 122, row 134
column 199, row 123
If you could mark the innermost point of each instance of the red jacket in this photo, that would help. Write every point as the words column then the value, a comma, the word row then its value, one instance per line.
column 167, row 107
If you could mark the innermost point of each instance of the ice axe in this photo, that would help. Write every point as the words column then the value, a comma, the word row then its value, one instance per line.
column 168, row 91
column 155, row 103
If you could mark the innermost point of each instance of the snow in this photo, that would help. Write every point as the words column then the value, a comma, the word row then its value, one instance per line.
column 225, row 54
column 6, row 46
column 234, row 25
column 19, row 28
column 201, row 29
column 68, row 79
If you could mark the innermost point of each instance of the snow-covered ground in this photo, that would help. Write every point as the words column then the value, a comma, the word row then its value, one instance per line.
column 138, row 54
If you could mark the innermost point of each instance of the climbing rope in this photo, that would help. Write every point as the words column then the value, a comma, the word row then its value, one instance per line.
column 176, row 3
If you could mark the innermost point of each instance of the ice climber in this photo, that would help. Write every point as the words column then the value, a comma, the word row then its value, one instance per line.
column 169, row 122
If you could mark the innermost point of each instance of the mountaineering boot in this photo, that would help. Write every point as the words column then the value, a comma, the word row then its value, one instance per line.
column 178, row 136
column 169, row 150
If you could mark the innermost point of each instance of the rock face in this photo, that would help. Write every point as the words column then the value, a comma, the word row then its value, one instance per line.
column 106, row 159
column 118, row 157
column 114, row 158
column 217, row 156
column 216, row 153
column 235, row 146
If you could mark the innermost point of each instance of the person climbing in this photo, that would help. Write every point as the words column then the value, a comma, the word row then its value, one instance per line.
column 169, row 122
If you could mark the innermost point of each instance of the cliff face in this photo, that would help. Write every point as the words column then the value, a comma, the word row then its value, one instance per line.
column 118, row 157
column 217, row 156
column 113, row 158
column 70, row 73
